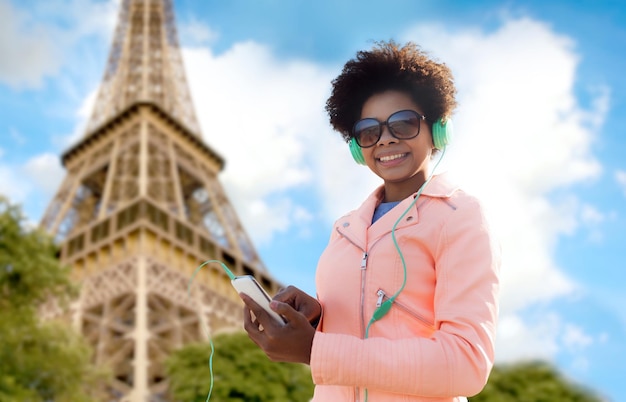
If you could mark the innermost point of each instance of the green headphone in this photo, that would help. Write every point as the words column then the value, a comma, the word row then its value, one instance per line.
column 442, row 133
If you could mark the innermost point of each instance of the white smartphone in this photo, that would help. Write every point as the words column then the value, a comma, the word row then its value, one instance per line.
column 248, row 285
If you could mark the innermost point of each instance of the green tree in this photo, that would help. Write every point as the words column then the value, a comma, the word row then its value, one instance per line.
column 242, row 372
column 533, row 381
column 39, row 361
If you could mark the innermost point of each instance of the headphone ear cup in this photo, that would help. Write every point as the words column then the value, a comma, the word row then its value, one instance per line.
column 356, row 152
column 442, row 133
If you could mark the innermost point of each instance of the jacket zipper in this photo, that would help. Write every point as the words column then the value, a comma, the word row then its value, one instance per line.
column 363, row 268
column 382, row 296
column 363, row 274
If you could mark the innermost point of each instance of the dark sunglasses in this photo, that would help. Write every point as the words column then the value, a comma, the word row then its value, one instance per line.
column 403, row 125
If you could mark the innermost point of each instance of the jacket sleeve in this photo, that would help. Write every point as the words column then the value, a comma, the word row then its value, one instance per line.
column 457, row 359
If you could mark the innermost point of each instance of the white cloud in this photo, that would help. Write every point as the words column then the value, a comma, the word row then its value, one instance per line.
column 576, row 342
column 83, row 114
column 196, row 33
column 257, row 212
column 45, row 172
column 620, row 178
column 16, row 136
column 343, row 184
column 33, row 183
column 27, row 47
column 591, row 216
column 264, row 116
column 517, row 340
column 574, row 338
column 12, row 185
column 542, row 338
column 34, row 45
column 592, row 220
column 580, row 364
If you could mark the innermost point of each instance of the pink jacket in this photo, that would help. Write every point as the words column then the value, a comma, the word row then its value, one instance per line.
column 437, row 341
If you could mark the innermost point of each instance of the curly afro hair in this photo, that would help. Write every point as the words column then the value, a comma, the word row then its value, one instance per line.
column 390, row 67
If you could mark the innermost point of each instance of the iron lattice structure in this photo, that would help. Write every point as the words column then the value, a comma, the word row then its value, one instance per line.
column 141, row 207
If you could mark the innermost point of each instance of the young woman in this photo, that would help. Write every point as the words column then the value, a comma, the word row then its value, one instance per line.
column 407, row 287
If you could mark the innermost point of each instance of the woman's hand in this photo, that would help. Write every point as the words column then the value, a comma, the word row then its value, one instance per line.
column 289, row 342
column 301, row 302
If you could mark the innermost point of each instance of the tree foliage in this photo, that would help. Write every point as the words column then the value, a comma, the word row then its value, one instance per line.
column 242, row 372
column 39, row 361
column 29, row 269
column 533, row 381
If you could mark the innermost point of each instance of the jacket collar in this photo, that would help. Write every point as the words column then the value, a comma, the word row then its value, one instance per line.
column 439, row 186
column 356, row 223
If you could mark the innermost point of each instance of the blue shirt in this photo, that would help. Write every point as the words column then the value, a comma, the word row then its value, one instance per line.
column 382, row 209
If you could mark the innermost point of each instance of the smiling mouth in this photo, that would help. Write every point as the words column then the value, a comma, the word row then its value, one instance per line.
column 389, row 158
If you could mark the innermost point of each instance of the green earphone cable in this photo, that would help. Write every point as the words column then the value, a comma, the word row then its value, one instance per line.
column 202, row 324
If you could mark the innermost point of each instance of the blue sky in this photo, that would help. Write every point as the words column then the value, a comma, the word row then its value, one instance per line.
column 539, row 137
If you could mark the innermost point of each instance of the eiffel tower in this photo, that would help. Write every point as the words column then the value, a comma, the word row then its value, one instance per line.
column 141, row 207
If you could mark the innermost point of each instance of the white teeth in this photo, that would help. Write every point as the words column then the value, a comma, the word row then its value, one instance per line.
column 390, row 157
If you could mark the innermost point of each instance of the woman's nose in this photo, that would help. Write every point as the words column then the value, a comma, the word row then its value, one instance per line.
column 386, row 137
